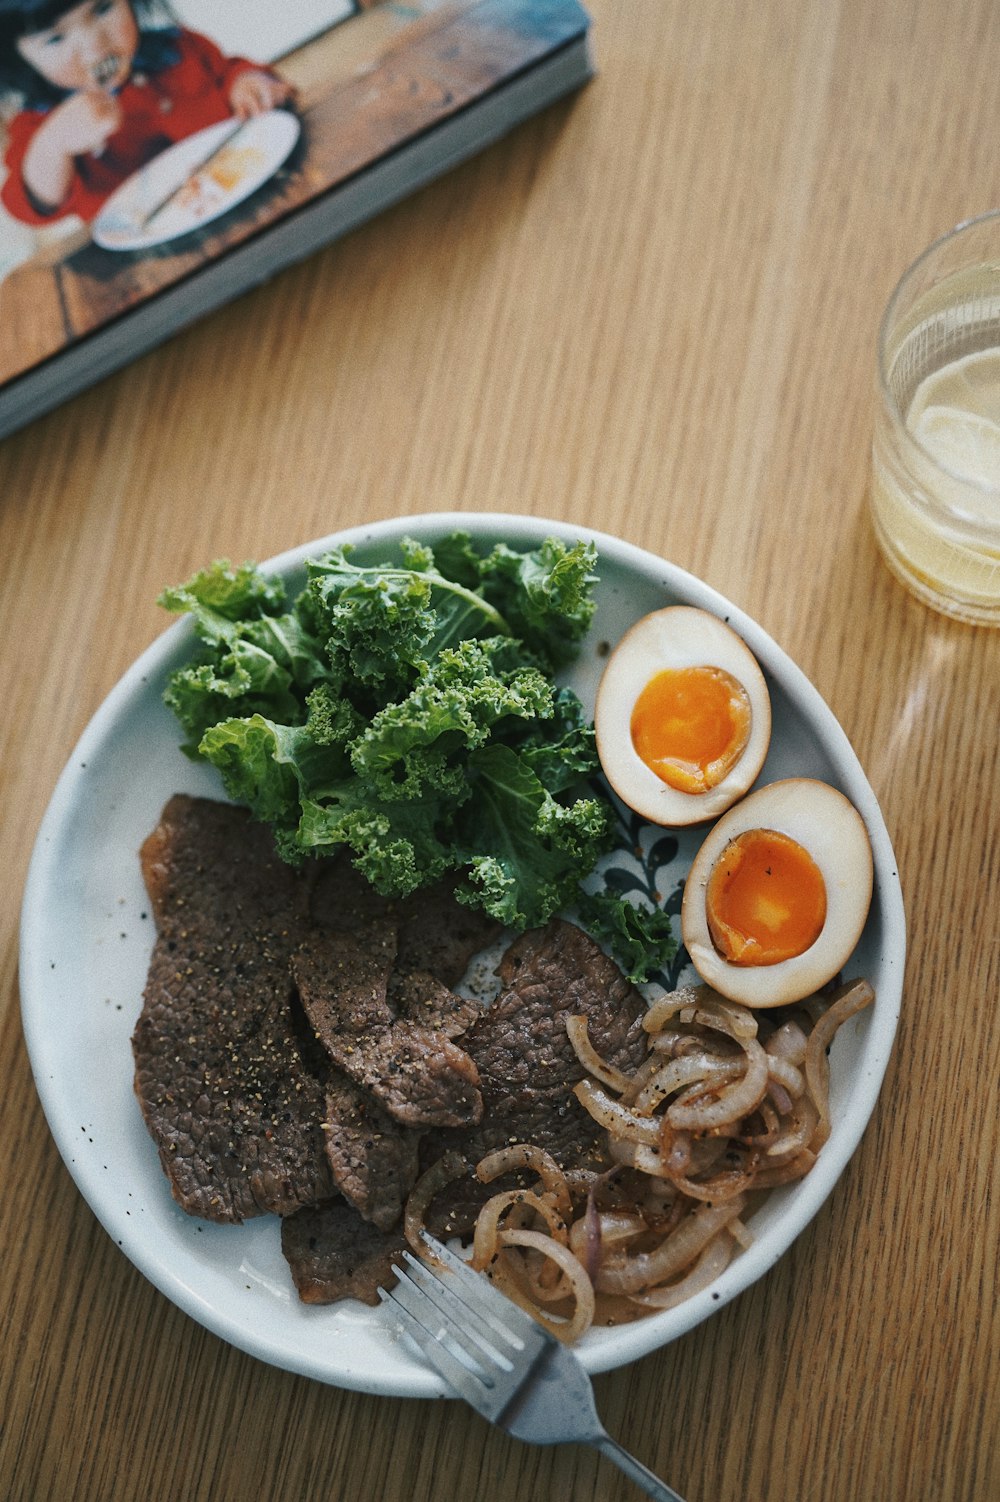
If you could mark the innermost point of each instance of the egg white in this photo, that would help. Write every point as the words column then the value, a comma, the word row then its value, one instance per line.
column 679, row 636
column 829, row 827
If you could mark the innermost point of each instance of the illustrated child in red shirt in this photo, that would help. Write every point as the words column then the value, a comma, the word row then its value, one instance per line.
column 100, row 95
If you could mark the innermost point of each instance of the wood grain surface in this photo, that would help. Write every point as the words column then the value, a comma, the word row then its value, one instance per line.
column 652, row 309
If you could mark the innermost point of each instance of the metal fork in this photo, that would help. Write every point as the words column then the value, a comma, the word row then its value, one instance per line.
column 502, row 1362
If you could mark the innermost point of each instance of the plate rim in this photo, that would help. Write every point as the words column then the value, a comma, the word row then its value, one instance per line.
column 640, row 1338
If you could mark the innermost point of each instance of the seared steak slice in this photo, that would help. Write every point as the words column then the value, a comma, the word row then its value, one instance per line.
column 420, row 997
column 418, row 1074
column 436, row 937
column 374, row 1160
column 333, row 1254
column 439, row 934
column 220, row 1075
column 527, row 1065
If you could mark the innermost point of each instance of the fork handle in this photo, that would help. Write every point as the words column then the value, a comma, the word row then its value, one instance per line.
column 640, row 1474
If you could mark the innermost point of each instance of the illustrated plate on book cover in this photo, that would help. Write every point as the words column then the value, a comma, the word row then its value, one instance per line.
column 196, row 181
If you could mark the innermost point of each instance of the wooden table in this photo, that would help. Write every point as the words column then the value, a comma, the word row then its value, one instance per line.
column 652, row 309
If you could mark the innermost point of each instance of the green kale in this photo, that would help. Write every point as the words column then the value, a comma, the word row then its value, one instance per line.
column 640, row 938
column 406, row 712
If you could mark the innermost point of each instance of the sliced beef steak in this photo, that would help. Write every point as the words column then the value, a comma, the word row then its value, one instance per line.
column 418, row 1074
column 374, row 1160
column 440, row 935
column 221, row 1077
column 437, row 936
column 527, row 1065
column 334, row 1255
column 297, row 1038
column 420, row 997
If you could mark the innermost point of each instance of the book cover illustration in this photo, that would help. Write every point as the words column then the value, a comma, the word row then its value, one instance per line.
column 142, row 141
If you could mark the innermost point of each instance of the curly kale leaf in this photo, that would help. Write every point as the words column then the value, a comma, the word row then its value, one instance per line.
column 456, row 705
column 220, row 596
column 525, row 850
column 640, row 938
column 405, row 711
column 384, row 622
column 544, row 595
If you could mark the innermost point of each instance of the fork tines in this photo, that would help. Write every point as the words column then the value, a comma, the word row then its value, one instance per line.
column 481, row 1344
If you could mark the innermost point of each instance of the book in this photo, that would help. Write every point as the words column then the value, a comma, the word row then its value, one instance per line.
column 182, row 202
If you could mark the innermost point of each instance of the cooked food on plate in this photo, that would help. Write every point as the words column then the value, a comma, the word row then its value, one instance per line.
column 778, row 894
column 381, row 996
column 683, row 717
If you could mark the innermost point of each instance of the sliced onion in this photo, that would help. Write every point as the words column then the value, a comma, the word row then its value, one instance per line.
column 526, row 1155
column 787, row 1042
column 486, row 1237
column 638, row 1155
column 674, row 1254
column 725, row 1016
column 702, row 1005
column 720, row 1188
column 614, row 1117
column 847, row 1001
column 770, row 1120
column 582, row 1288
column 668, row 1007
column 797, row 1133
column 675, row 1045
column 612, row 1228
column 787, row 1173
column 615, row 1079
column 740, row 1232
column 447, row 1168
column 650, row 1064
column 788, row 1075
column 586, row 1238
column 730, row 1103
column 712, row 1261
column 779, row 1096
column 685, row 1070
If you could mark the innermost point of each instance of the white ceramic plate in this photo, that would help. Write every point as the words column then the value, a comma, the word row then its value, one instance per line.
column 244, row 165
column 86, row 938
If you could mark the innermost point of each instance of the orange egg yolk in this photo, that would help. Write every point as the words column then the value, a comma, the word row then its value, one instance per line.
column 765, row 900
column 691, row 725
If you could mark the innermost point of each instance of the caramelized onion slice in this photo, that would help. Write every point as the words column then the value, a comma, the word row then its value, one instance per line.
column 447, row 1168
column 709, row 1264
column 674, row 1254
column 486, row 1237
column 701, row 1004
column 526, row 1155
column 608, row 1074
column 619, row 1120
column 730, row 1103
column 847, row 1001
column 686, row 1070
column 581, row 1286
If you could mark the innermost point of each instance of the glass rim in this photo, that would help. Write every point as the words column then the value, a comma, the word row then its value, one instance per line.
column 889, row 404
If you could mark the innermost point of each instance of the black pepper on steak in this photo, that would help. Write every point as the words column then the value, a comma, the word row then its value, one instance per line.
column 527, row 1069
column 251, row 1114
column 417, row 1074
column 221, row 1078
column 527, row 1064
column 334, row 1255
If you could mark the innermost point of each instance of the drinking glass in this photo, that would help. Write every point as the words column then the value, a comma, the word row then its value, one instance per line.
column 935, row 491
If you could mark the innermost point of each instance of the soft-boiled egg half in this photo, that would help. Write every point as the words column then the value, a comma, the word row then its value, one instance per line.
column 683, row 717
column 778, row 894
